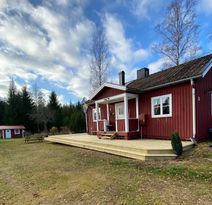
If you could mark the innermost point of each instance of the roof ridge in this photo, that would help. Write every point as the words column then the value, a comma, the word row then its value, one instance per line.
column 182, row 64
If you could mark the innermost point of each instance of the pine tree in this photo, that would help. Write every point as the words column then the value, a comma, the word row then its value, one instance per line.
column 27, row 109
column 3, row 106
column 55, row 109
column 14, row 105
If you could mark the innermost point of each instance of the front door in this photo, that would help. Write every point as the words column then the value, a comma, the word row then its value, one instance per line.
column 112, row 116
column 8, row 134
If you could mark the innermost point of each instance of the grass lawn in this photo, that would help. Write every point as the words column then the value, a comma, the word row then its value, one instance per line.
column 45, row 173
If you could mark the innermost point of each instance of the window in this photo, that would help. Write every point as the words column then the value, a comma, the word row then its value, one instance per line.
column 95, row 114
column 17, row 132
column 120, row 111
column 161, row 106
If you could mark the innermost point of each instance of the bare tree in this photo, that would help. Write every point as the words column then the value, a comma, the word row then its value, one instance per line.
column 179, row 32
column 42, row 114
column 99, row 58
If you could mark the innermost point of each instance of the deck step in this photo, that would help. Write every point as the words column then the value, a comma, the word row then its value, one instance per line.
column 121, row 151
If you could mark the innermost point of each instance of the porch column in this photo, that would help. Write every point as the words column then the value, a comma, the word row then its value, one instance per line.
column 137, row 112
column 126, row 112
column 108, row 112
column 97, row 116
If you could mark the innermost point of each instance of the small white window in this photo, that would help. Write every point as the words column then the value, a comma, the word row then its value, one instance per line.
column 17, row 132
column 120, row 111
column 161, row 106
column 95, row 114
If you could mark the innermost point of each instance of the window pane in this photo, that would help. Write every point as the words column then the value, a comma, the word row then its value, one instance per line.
column 156, row 101
column 157, row 110
column 156, row 104
column 166, row 101
column 166, row 110
column 166, row 105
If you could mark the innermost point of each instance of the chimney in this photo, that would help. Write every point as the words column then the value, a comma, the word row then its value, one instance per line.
column 122, row 78
column 142, row 73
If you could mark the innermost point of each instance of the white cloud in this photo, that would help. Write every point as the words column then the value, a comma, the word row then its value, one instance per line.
column 206, row 6
column 157, row 65
column 40, row 42
column 142, row 9
column 125, row 53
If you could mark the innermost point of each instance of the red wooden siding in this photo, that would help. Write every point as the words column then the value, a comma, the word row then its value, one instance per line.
column 120, row 125
column 101, row 125
column 132, row 108
column 13, row 135
column 203, row 105
column 91, row 125
column 107, row 92
column 133, row 124
column 181, row 119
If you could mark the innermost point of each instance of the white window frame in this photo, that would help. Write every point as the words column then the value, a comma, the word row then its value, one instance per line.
column 17, row 132
column 93, row 113
column 161, row 106
column 118, row 116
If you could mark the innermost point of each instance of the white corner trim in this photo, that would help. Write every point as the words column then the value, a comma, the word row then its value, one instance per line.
column 193, row 109
column 207, row 68
column 110, row 85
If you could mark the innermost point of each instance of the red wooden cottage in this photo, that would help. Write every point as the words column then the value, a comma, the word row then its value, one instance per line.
column 153, row 106
column 11, row 131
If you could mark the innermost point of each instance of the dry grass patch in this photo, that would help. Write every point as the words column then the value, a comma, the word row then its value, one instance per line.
column 45, row 173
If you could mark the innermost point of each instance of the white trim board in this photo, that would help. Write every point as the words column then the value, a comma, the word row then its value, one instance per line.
column 207, row 68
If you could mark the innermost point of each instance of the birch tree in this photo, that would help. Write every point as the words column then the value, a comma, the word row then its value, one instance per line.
column 179, row 32
column 99, row 58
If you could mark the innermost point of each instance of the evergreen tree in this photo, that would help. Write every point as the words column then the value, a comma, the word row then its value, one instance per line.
column 77, row 119
column 55, row 109
column 2, row 112
column 27, row 109
column 14, row 105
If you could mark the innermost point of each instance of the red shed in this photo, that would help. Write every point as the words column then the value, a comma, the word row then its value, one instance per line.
column 153, row 106
column 11, row 131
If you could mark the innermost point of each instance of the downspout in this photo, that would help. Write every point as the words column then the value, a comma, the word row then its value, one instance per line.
column 193, row 110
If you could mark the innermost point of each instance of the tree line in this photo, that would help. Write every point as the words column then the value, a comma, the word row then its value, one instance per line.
column 37, row 115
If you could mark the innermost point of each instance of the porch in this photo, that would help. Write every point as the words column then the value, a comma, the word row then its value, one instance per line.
column 144, row 149
column 118, row 113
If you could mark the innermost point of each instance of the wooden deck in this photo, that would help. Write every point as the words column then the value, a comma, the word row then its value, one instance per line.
column 141, row 149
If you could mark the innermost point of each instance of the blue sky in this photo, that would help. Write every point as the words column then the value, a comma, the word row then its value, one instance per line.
column 46, row 41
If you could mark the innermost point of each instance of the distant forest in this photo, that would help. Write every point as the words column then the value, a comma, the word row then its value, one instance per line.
column 37, row 115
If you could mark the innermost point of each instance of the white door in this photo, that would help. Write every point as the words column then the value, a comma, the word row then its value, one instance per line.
column 8, row 134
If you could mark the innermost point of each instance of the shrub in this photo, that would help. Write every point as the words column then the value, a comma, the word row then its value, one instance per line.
column 53, row 130
column 176, row 144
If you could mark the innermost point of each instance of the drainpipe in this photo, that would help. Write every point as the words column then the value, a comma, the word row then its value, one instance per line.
column 193, row 110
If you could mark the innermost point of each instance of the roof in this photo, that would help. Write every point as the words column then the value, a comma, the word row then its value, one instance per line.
column 192, row 69
column 11, row 127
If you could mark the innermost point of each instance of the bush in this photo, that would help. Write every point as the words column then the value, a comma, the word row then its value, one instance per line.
column 53, row 131
column 176, row 144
